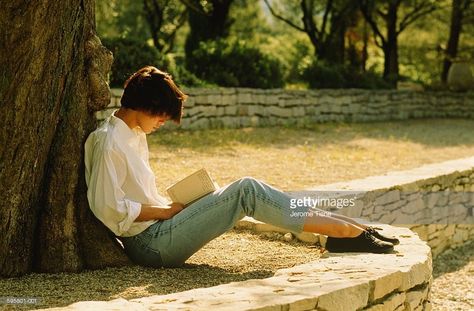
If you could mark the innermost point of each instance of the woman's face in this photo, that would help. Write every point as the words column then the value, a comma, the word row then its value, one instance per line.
column 150, row 123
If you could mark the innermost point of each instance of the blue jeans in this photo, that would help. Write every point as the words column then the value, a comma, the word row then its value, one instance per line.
column 171, row 242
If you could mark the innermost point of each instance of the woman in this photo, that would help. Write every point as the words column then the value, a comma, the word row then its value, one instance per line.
column 123, row 195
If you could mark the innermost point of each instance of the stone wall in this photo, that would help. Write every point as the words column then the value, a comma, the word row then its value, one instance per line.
column 436, row 201
column 241, row 107
column 335, row 282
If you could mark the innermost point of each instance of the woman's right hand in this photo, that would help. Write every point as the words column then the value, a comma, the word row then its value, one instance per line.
column 175, row 208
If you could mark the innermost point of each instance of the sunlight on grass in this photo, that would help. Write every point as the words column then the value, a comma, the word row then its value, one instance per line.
column 293, row 159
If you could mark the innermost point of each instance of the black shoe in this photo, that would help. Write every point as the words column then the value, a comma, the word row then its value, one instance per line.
column 379, row 236
column 365, row 243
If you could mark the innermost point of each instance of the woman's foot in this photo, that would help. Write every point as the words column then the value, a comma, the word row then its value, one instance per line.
column 379, row 236
column 365, row 242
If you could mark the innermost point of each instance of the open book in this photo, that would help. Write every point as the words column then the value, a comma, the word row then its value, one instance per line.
column 192, row 187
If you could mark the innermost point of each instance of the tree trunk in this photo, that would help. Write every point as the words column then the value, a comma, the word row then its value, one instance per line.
column 207, row 27
column 334, row 45
column 53, row 71
column 390, row 48
column 453, row 40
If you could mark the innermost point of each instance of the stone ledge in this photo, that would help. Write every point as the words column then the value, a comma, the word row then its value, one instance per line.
column 350, row 281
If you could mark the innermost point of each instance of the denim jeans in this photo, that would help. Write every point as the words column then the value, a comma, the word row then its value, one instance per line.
column 171, row 242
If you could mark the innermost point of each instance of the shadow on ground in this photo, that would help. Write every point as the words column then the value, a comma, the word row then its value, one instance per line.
column 57, row 290
column 453, row 260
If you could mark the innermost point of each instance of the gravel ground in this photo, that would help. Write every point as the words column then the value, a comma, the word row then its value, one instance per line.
column 247, row 255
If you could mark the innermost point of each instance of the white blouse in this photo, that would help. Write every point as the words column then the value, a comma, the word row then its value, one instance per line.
column 118, row 176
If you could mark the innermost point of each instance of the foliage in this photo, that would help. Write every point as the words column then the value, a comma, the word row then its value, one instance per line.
column 421, row 41
column 236, row 65
column 129, row 56
column 164, row 18
column 320, row 75
column 182, row 76
column 121, row 18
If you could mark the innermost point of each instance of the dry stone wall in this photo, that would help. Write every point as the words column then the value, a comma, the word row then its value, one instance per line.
column 242, row 107
column 436, row 201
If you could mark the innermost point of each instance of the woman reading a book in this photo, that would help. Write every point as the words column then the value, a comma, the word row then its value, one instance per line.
column 122, row 193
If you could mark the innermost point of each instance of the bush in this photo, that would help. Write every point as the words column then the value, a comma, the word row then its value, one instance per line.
column 129, row 56
column 320, row 75
column 235, row 65
column 182, row 76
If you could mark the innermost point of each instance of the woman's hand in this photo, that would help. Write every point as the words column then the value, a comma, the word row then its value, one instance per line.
column 175, row 208
column 152, row 212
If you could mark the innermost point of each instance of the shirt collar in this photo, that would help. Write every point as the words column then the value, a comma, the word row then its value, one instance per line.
column 123, row 128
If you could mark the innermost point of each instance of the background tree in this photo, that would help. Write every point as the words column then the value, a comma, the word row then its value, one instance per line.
column 52, row 80
column 164, row 19
column 387, row 14
column 324, row 24
column 458, row 11
column 208, row 21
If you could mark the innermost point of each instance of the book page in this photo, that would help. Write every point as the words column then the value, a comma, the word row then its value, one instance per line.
column 191, row 187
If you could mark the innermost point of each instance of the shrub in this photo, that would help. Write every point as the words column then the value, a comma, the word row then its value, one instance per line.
column 320, row 75
column 182, row 76
column 235, row 65
column 129, row 56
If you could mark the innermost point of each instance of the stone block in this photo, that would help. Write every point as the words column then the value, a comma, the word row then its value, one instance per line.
column 388, row 197
column 244, row 97
column 415, row 298
column 208, row 111
column 460, row 236
column 385, row 285
column 279, row 112
column 418, row 273
column 220, row 111
column 413, row 207
column 242, row 110
column 256, row 110
column 201, row 123
column 355, row 297
column 388, row 218
column 422, row 232
column 298, row 111
column 213, row 99
column 431, row 199
column 230, row 110
column 392, row 303
column 254, row 121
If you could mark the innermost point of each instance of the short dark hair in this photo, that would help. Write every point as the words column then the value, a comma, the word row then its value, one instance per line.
column 153, row 91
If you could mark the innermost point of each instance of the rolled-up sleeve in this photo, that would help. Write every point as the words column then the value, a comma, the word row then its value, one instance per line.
column 106, row 198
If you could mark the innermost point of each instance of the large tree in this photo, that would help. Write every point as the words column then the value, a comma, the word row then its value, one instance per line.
column 53, row 70
column 388, row 19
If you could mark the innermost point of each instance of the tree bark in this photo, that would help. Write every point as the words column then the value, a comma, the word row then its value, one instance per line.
column 390, row 47
column 53, row 70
